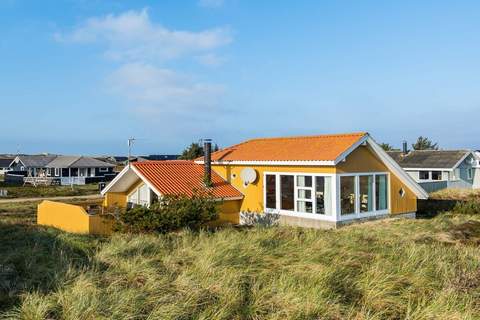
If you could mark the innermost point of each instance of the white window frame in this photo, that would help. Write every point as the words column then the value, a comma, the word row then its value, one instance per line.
column 469, row 174
column 137, row 191
column 103, row 169
column 57, row 172
column 331, row 216
column 357, row 214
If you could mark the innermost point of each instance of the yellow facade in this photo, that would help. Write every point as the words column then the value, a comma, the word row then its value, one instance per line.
column 71, row 218
column 360, row 160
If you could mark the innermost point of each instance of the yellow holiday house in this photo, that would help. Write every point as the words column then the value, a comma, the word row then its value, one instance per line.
column 311, row 181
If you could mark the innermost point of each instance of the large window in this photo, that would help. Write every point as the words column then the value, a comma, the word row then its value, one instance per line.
column 271, row 191
column 366, row 193
column 299, row 193
column 424, row 175
column 305, row 194
column 140, row 196
column 347, row 195
column 287, row 193
column 323, row 195
column 436, row 175
column 381, row 192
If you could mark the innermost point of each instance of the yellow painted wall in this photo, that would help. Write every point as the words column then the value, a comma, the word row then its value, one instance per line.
column 230, row 211
column 71, row 218
column 119, row 199
column 364, row 160
column 253, row 193
column 361, row 160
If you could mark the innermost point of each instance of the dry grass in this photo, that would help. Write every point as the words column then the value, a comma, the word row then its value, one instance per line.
column 456, row 194
column 400, row 269
column 48, row 191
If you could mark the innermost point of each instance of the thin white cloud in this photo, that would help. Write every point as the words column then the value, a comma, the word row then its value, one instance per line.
column 132, row 36
column 210, row 59
column 154, row 90
column 211, row 3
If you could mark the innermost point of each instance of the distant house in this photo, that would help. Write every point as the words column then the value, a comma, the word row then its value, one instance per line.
column 440, row 169
column 33, row 165
column 64, row 169
column 5, row 165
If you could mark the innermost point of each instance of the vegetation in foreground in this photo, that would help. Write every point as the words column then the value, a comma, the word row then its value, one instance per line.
column 397, row 269
column 456, row 194
column 29, row 191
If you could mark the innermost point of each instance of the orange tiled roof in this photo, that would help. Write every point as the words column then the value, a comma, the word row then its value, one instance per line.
column 181, row 177
column 302, row 148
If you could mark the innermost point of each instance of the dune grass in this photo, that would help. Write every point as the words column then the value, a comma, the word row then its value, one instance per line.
column 29, row 191
column 397, row 269
column 456, row 194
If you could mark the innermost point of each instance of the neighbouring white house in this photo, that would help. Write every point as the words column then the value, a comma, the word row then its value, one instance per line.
column 440, row 169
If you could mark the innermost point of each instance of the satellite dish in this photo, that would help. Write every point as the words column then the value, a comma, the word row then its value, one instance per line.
column 248, row 175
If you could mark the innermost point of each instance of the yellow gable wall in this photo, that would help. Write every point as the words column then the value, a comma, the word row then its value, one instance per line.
column 364, row 160
column 360, row 160
column 119, row 199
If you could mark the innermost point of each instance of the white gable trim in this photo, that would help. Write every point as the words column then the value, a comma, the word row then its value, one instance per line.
column 397, row 170
column 354, row 146
column 147, row 182
column 17, row 160
column 124, row 172
column 115, row 180
column 463, row 158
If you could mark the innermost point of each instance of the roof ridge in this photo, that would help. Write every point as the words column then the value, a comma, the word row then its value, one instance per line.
column 352, row 134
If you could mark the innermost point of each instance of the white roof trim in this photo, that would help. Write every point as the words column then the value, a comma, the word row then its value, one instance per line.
column 428, row 169
column 354, row 146
column 15, row 161
column 463, row 158
column 122, row 173
column 146, row 181
column 397, row 170
column 115, row 180
column 272, row 162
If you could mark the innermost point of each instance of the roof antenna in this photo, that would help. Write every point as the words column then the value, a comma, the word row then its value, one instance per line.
column 130, row 145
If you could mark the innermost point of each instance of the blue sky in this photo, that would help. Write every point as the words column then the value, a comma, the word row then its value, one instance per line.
column 81, row 76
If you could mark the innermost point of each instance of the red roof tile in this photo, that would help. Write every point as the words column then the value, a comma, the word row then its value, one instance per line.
column 181, row 177
column 302, row 148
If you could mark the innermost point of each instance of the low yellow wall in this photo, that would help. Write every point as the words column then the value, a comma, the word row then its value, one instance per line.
column 229, row 211
column 71, row 218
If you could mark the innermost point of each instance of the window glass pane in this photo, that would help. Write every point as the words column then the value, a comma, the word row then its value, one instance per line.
column 271, row 189
column 423, row 175
column 304, row 194
column 304, row 181
column 436, row 175
column 305, row 206
column 287, row 192
column 366, row 193
column 347, row 195
column 323, row 195
column 381, row 190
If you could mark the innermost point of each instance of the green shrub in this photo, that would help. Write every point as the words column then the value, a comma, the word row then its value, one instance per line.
column 467, row 207
column 171, row 213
